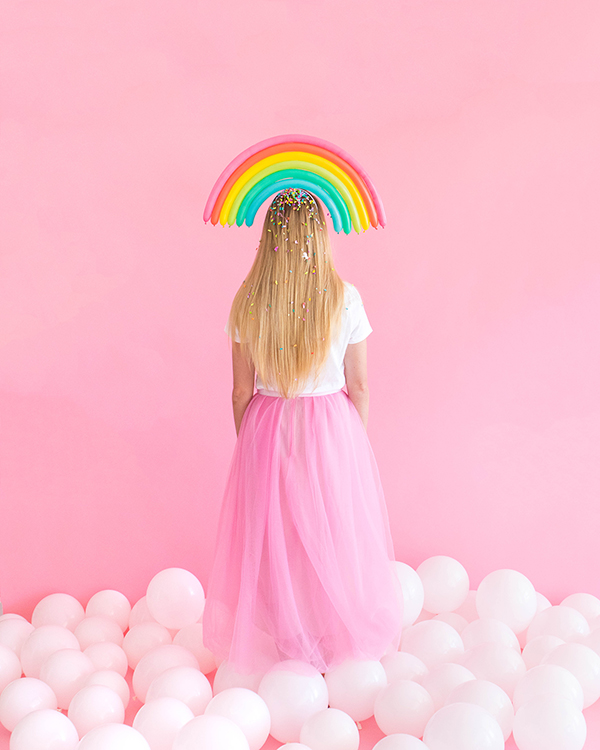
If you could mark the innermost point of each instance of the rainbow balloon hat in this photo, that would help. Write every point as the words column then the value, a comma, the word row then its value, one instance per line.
column 300, row 161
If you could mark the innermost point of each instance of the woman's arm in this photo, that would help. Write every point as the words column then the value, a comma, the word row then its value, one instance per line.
column 243, row 384
column 355, row 366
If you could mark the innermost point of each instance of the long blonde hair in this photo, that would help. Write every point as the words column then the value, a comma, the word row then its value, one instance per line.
column 288, row 309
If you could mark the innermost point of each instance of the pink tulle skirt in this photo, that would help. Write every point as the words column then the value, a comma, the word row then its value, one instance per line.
column 302, row 567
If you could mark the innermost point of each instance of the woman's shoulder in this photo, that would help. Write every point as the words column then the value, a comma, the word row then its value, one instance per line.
column 351, row 293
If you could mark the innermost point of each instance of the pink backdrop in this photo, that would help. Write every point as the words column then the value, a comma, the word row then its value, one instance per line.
column 478, row 122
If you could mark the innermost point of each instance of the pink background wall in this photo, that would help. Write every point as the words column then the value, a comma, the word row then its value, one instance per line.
column 478, row 122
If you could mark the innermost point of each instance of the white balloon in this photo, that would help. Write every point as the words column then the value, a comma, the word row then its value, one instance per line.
column 489, row 630
column 293, row 691
column 499, row 664
column 549, row 722
column 10, row 666
column 509, row 596
column 66, row 672
column 140, row 613
column 595, row 623
column 44, row 641
column 14, row 631
column 592, row 640
column 115, row 737
column 403, row 666
column 441, row 680
column 538, row 647
column 564, row 622
column 58, row 609
column 191, row 637
column 23, row 696
column 445, row 583
column 226, row 677
column 210, row 733
column 330, row 729
column 542, row 602
column 403, row 707
column 161, row 720
column 108, row 655
column 433, row 642
column 400, row 742
column 94, row 706
column 489, row 696
column 587, row 604
column 412, row 592
column 187, row 684
column 112, row 680
column 584, row 663
column 247, row 709
column 468, row 608
column 354, row 685
column 548, row 678
column 463, row 726
column 143, row 638
column 111, row 604
column 44, row 729
column 157, row 661
column 458, row 622
column 98, row 629
column 175, row 598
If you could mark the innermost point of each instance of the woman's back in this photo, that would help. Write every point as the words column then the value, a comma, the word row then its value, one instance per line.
column 354, row 327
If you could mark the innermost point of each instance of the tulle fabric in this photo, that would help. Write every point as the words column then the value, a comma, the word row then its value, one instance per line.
column 302, row 567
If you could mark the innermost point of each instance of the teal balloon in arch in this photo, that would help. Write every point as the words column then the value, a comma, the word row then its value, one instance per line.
column 315, row 184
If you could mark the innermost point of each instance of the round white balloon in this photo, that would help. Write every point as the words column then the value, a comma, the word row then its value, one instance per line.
column 441, row 680
column 563, row 622
column 489, row 630
column 412, row 592
column 499, row 664
column 210, row 733
column 489, row 696
column 247, row 709
column 403, row 707
column 509, row 596
column 445, row 583
column 538, row 647
column 587, row 604
column 44, row 729
column 400, row 742
column 115, row 737
column 403, row 666
column 330, row 729
column 354, row 685
column 161, row 720
column 463, row 726
column 433, row 642
column 548, row 678
column 584, row 663
column 549, row 722
column 293, row 691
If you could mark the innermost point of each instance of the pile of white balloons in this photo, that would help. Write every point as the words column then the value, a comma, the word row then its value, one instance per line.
column 473, row 667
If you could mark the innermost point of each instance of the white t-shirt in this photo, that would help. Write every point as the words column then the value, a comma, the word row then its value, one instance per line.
column 354, row 327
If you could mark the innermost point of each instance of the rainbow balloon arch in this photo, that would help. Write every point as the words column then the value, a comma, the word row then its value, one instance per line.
column 301, row 161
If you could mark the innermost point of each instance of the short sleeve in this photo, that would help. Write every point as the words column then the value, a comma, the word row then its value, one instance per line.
column 360, row 327
column 236, row 338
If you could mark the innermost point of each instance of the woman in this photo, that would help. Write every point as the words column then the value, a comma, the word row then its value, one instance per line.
column 302, row 567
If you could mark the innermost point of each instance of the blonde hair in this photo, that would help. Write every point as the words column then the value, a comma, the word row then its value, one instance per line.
column 288, row 309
